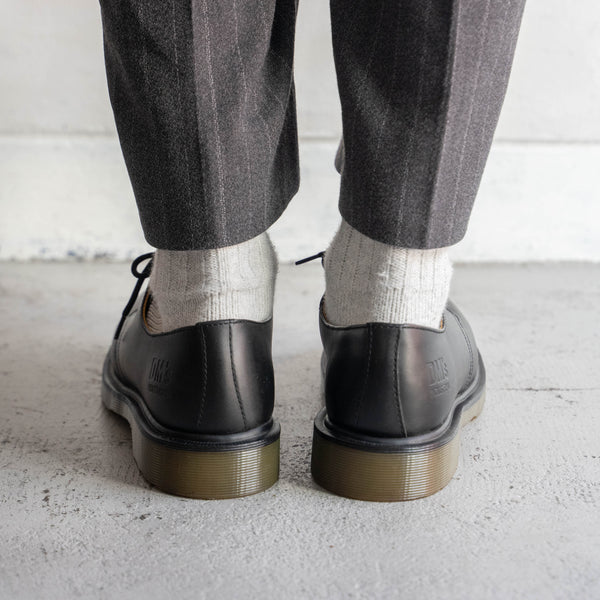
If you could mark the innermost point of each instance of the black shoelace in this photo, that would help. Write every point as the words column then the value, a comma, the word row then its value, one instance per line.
column 141, row 276
column 320, row 255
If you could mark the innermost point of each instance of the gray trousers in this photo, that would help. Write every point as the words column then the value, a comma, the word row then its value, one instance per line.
column 204, row 102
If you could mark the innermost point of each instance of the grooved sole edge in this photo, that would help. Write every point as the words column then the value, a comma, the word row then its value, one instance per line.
column 201, row 474
column 390, row 476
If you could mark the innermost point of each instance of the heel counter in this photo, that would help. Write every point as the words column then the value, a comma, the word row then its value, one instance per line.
column 238, row 384
column 361, row 384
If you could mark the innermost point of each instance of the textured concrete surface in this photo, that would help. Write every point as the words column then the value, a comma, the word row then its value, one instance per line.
column 521, row 518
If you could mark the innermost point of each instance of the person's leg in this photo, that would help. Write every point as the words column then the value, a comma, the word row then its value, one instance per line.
column 203, row 97
column 420, row 102
column 421, row 85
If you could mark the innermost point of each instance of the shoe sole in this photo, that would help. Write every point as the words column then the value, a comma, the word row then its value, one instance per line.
column 392, row 470
column 193, row 466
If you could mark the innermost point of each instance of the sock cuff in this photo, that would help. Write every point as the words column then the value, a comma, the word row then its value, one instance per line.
column 368, row 281
column 234, row 282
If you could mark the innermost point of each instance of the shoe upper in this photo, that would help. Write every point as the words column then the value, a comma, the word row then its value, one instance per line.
column 214, row 377
column 390, row 380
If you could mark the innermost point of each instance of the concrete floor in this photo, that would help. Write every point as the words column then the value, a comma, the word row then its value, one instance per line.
column 521, row 519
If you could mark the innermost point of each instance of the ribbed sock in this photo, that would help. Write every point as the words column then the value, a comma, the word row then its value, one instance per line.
column 367, row 281
column 235, row 282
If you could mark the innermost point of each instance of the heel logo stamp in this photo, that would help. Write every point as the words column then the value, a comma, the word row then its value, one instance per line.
column 160, row 373
column 437, row 371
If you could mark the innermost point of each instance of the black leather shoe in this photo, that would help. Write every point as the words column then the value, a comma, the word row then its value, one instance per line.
column 199, row 401
column 396, row 397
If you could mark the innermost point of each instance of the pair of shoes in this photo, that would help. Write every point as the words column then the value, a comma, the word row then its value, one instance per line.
column 199, row 401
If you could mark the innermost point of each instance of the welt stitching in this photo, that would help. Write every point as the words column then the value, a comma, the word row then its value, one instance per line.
column 127, row 399
column 396, row 391
column 235, row 381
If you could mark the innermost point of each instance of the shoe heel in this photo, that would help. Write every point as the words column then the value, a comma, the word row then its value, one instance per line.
column 197, row 473
column 206, row 475
column 386, row 476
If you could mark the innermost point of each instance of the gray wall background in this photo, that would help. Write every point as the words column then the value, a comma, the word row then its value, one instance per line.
column 64, row 190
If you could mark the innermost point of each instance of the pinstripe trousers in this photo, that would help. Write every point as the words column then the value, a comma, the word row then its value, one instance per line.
column 203, row 97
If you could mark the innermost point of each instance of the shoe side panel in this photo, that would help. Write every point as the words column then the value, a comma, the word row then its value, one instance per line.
column 211, row 378
column 432, row 369
column 396, row 380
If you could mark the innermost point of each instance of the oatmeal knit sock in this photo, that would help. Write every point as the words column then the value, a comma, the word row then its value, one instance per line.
column 192, row 286
column 367, row 281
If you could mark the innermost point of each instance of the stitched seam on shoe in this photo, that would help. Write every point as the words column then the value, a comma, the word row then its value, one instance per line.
column 364, row 388
column 471, row 358
column 396, row 386
column 235, row 381
column 117, row 359
column 204, row 379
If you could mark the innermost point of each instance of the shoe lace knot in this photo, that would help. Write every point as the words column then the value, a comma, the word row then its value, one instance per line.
column 141, row 276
